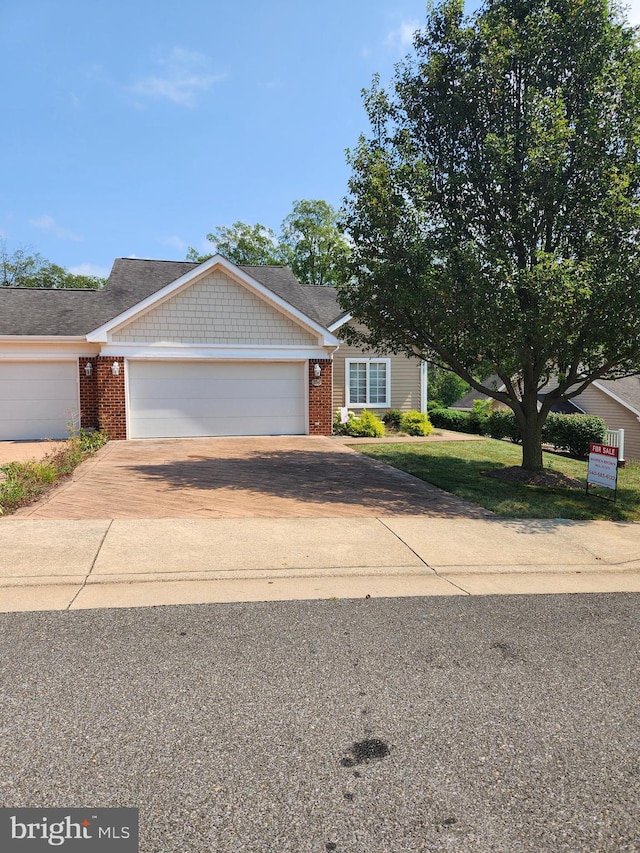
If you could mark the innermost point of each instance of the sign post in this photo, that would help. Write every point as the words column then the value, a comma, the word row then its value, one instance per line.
column 602, row 469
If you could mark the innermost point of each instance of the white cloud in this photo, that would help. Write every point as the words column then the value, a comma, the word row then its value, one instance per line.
column 176, row 242
column 181, row 77
column 48, row 223
column 90, row 269
column 401, row 38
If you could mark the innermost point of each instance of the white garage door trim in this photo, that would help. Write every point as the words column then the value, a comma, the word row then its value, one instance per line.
column 174, row 399
column 38, row 399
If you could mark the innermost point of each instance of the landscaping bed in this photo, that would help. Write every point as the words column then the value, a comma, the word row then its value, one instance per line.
column 23, row 482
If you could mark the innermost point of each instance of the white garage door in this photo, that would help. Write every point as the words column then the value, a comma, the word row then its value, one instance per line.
column 174, row 399
column 38, row 399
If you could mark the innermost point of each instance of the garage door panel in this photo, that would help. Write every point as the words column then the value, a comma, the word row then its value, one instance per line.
column 215, row 389
column 166, row 428
column 172, row 399
column 205, row 370
column 38, row 399
column 219, row 409
column 57, row 389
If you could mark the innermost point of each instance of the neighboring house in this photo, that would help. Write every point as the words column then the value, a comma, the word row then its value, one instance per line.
column 172, row 349
column 617, row 402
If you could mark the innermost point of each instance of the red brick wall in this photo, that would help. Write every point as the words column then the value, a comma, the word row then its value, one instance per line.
column 112, row 416
column 321, row 399
column 88, row 393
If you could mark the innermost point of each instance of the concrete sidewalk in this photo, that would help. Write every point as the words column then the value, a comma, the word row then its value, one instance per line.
column 61, row 564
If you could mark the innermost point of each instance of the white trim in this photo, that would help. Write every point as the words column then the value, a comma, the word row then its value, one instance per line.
column 233, row 353
column 424, row 386
column 100, row 335
column 45, row 351
column 364, row 360
column 340, row 322
column 81, row 339
column 615, row 397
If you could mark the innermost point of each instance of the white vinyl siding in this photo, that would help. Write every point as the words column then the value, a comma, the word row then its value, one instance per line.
column 38, row 399
column 368, row 382
column 171, row 399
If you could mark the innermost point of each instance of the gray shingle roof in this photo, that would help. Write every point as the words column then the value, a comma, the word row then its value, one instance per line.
column 40, row 312
column 627, row 389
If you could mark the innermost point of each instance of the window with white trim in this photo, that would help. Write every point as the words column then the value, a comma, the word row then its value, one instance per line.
column 368, row 382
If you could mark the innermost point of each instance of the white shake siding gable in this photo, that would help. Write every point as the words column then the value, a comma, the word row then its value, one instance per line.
column 214, row 310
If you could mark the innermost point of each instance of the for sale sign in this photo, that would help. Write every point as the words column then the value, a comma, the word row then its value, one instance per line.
column 603, row 466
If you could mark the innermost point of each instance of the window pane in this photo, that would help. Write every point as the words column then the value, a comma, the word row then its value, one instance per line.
column 358, row 382
column 378, row 382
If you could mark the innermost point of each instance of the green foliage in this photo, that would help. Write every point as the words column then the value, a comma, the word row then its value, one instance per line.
column 415, row 423
column 478, row 417
column 21, row 269
column 503, row 424
column 91, row 440
column 367, row 425
column 449, row 419
column 574, row 433
column 392, row 418
column 242, row 244
column 444, row 387
column 312, row 243
column 494, row 208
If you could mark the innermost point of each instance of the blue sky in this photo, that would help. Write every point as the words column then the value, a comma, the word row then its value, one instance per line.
column 135, row 128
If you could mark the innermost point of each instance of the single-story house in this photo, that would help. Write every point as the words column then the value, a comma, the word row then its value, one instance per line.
column 173, row 349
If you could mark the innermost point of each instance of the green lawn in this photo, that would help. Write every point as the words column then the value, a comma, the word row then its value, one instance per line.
column 458, row 467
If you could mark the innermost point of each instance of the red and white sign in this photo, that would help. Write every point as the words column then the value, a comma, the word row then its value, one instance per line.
column 603, row 465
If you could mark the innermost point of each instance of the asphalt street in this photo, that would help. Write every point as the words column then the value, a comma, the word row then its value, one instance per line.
column 460, row 724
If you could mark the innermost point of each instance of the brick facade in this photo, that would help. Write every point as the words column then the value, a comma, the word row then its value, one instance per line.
column 112, row 414
column 88, row 393
column 321, row 398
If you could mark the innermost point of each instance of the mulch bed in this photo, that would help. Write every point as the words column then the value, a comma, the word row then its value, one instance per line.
column 518, row 476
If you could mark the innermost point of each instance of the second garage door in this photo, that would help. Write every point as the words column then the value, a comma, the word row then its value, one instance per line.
column 38, row 399
column 169, row 399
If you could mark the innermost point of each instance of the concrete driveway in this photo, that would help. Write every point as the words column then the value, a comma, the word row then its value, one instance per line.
column 272, row 477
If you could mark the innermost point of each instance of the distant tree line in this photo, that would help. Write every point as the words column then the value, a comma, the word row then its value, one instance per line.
column 24, row 269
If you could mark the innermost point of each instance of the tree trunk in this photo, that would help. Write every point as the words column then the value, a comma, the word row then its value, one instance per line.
column 531, row 429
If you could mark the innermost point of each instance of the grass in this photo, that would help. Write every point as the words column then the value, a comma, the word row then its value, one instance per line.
column 23, row 482
column 458, row 467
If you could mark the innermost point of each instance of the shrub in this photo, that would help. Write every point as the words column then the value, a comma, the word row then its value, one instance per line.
column 574, row 433
column 478, row 416
column 367, row 425
column 449, row 419
column 392, row 418
column 415, row 423
column 502, row 423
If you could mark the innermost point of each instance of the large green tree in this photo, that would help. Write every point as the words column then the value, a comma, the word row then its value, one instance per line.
column 314, row 243
column 311, row 242
column 494, row 208
column 21, row 268
column 242, row 244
